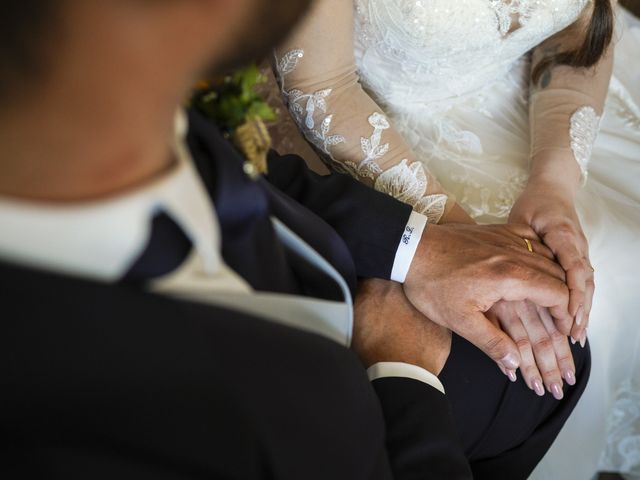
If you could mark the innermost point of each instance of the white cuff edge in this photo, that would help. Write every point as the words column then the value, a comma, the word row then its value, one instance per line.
column 404, row 370
column 408, row 245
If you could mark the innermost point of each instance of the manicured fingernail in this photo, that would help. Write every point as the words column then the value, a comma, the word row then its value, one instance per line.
column 510, row 362
column 570, row 377
column 556, row 391
column 512, row 375
column 583, row 339
column 580, row 315
column 537, row 387
column 573, row 341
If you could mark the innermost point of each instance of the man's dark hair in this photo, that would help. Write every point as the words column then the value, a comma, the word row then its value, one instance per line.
column 24, row 25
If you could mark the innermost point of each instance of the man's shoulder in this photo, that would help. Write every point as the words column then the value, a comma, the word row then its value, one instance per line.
column 56, row 324
column 60, row 302
column 186, row 377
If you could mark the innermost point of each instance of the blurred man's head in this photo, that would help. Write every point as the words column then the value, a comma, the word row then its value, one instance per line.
column 89, row 88
column 37, row 37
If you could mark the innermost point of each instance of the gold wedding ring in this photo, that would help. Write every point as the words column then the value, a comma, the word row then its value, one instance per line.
column 529, row 245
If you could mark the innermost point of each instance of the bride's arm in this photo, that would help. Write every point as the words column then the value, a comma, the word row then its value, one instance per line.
column 317, row 74
column 565, row 109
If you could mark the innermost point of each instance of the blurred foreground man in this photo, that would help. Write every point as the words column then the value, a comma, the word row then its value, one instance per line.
column 166, row 316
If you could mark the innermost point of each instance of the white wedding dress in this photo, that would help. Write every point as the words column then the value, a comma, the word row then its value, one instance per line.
column 448, row 86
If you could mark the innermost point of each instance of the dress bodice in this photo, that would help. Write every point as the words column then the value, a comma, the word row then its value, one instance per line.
column 428, row 50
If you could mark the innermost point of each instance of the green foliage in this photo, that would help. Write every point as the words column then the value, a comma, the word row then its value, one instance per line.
column 233, row 101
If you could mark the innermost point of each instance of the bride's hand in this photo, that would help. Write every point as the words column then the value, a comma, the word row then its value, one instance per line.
column 549, row 209
column 546, row 355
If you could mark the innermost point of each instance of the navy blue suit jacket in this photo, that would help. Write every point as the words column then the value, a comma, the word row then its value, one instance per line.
column 108, row 381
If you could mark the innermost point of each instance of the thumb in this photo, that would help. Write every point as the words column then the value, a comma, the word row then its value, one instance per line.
column 479, row 330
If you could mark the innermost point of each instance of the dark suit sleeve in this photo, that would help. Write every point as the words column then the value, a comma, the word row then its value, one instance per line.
column 421, row 439
column 371, row 223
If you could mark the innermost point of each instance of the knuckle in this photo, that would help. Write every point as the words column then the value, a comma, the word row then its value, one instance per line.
column 565, row 229
column 578, row 264
column 584, row 264
column 496, row 347
column 562, row 359
column 543, row 344
column 523, row 344
column 504, row 266
column 557, row 337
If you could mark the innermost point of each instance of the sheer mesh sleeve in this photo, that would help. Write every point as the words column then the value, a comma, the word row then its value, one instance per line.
column 317, row 74
column 567, row 103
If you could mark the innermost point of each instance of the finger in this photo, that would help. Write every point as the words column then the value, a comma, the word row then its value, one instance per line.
column 564, row 357
column 591, row 289
column 522, row 245
column 540, row 289
column 492, row 317
column 539, row 262
column 574, row 261
column 513, row 326
column 523, row 231
column 590, row 292
column 495, row 343
column 543, row 348
column 540, row 248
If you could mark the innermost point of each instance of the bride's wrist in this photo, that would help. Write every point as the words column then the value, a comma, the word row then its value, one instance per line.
column 555, row 172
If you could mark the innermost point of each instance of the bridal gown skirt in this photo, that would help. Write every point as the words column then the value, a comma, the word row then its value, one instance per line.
column 478, row 146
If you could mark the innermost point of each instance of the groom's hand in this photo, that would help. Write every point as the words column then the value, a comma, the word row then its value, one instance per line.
column 388, row 328
column 460, row 271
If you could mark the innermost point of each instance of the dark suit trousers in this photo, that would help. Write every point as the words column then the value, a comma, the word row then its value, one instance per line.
column 505, row 427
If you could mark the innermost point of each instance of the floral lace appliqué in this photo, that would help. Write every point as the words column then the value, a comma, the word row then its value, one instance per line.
column 407, row 183
column 303, row 106
column 585, row 124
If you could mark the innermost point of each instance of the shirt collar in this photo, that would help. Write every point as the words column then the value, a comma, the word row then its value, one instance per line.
column 102, row 239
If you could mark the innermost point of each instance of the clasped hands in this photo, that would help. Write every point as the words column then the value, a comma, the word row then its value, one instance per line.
column 484, row 284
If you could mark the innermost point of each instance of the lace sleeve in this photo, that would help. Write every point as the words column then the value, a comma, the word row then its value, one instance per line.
column 567, row 103
column 317, row 75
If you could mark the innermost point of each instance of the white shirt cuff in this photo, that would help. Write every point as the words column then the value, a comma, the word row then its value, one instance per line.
column 408, row 246
column 404, row 370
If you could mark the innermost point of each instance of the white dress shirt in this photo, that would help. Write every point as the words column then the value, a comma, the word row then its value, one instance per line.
column 102, row 239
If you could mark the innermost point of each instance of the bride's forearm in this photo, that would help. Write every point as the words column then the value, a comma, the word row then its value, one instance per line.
column 557, row 170
column 317, row 71
column 566, row 105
